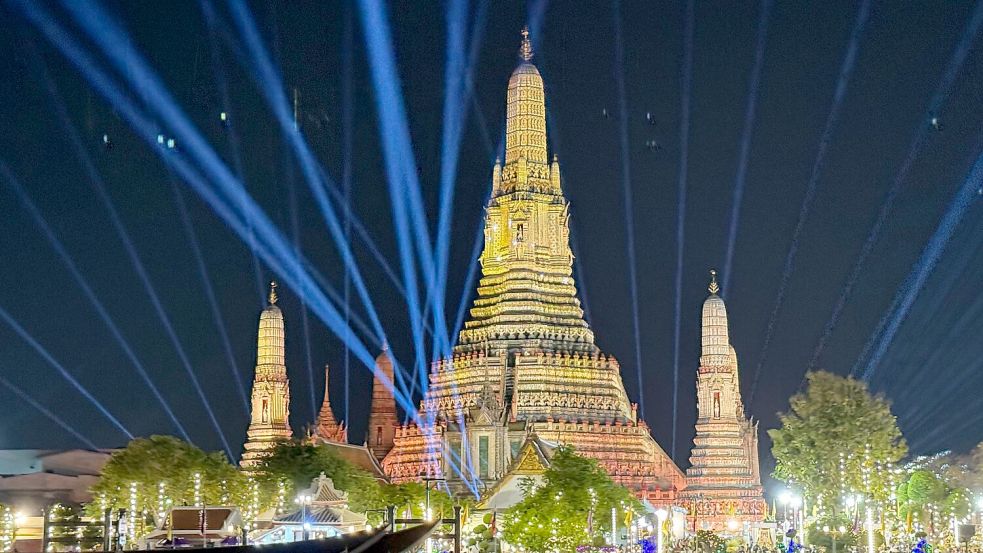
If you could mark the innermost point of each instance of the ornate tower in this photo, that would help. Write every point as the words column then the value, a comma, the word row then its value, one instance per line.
column 525, row 366
column 270, row 422
column 327, row 428
column 723, row 484
column 382, row 414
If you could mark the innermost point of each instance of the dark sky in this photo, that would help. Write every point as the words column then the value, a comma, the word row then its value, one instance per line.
column 933, row 364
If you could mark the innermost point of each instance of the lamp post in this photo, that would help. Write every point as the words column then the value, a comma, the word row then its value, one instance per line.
column 661, row 515
column 304, row 500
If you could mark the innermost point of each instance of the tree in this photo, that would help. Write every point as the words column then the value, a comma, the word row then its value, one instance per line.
column 834, row 435
column 295, row 465
column 160, row 471
column 569, row 508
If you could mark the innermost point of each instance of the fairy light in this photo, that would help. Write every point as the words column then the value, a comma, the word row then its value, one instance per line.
column 132, row 526
column 161, row 501
column 197, row 489
column 225, row 493
column 281, row 495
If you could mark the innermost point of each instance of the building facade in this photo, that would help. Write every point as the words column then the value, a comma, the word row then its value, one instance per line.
column 525, row 364
column 723, row 484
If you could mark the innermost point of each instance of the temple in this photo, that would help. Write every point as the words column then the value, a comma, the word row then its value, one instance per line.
column 723, row 484
column 526, row 376
column 327, row 428
column 270, row 414
column 525, row 367
column 382, row 413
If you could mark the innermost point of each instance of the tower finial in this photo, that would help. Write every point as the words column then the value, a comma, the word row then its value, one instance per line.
column 273, row 296
column 714, row 288
column 525, row 51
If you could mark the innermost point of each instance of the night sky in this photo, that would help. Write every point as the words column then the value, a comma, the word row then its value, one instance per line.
column 932, row 371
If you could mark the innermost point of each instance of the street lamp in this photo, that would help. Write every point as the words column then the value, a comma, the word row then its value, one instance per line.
column 304, row 500
column 661, row 515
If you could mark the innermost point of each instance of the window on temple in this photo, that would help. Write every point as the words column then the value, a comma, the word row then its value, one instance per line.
column 483, row 456
column 266, row 410
column 378, row 435
column 519, row 231
column 516, row 446
column 716, row 405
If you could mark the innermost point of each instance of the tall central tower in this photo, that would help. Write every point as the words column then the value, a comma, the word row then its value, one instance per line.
column 525, row 365
column 270, row 419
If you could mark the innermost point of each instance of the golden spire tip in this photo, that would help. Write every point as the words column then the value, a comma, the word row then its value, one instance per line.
column 525, row 51
column 714, row 288
column 273, row 296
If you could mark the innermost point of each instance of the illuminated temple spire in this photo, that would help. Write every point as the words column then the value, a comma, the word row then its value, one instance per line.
column 327, row 427
column 527, row 288
column 715, row 340
column 382, row 413
column 525, row 123
column 525, row 367
column 270, row 417
column 723, row 481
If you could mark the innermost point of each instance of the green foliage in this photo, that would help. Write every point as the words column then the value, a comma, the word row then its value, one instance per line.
column 958, row 503
column 481, row 539
column 147, row 463
column 709, row 542
column 924, row 487
column 88, row 536
column 296, row 465
column 822, row 532
column 554, row 514
column 836, row 416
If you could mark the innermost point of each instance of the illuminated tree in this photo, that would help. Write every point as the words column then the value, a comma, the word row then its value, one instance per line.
column 571, row 507
column 837, row 438
column 296, row 465
column 155, row 473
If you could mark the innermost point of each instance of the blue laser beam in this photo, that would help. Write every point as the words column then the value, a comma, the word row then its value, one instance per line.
column 619, row 74
column 843, row 80
column 218, row 69
column 229, row 195
column 402, row 181
column 685, row 95
column 453, row 126
column 347, row 111
column 26, row 336
column 266, row 72
column 90, row 294
column 909, row 290
column 47, row 413
column 189, row 231
column 935, row 105
column 750, row 110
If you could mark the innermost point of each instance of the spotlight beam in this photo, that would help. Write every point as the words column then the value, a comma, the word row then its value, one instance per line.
column 90, row 294
column 915, row 281
column 26, row 336
column 267, row 73
column 274, row 250
column 403, row 184
column 685, row 95
column 233, row 137
column 48, row 414
column 619, row 49
column 189, row 230
column 750, row 111
column 846, row 70
column 935, row 105
column 453, row 125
